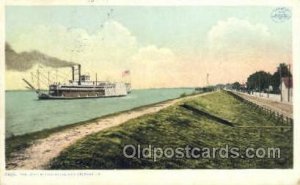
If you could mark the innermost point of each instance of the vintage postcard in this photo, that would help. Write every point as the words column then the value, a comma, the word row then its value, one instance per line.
column 127, row 92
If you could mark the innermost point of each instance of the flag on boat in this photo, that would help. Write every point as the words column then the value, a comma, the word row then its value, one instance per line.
column 125, row 73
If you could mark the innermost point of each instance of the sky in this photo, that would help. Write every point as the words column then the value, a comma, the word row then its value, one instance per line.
column 161, row 46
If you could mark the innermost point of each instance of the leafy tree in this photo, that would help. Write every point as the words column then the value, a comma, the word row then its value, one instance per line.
column 236, row 86
column 259, row 81
column 275, row 80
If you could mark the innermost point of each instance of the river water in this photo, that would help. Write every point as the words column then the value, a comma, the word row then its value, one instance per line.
column 25, row 113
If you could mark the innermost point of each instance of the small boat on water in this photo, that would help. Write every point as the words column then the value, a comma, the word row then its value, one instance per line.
column 82, row 87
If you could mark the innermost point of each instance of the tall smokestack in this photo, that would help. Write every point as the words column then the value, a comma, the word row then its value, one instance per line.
column 79, row 74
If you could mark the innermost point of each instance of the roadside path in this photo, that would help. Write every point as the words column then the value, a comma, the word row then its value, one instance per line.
column 42, row 151
column 283, row 108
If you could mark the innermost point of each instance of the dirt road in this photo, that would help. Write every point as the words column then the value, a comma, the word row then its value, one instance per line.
column 283, row 108
column 39, row 154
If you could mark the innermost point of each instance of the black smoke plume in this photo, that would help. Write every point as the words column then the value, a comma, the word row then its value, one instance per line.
column 25, row 60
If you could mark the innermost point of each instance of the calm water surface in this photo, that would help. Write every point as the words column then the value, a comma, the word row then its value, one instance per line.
column 25, row 114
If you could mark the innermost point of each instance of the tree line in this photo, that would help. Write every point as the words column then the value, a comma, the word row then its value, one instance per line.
column 262, row 81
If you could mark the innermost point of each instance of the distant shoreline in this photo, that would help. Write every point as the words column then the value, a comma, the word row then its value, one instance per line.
column 154, row 88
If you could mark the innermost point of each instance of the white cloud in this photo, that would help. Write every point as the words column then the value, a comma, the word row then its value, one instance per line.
column 108, row 52
column 235, row 48
column 152, row 53
column 153, row 67
column 236, row 37
column 161, row 67
column 110, row 45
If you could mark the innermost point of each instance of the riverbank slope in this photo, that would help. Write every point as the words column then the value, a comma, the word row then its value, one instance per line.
column 176, row 126
column 34, row 151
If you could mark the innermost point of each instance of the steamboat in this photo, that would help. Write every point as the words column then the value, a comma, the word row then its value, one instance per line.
column 82, row 87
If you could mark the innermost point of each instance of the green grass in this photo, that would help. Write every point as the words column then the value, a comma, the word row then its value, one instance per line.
column 177, row 127
column 19, row 143
column 16, row 144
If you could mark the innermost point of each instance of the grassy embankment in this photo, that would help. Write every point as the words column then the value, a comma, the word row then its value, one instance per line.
column 18, row 143
column 175, row 126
